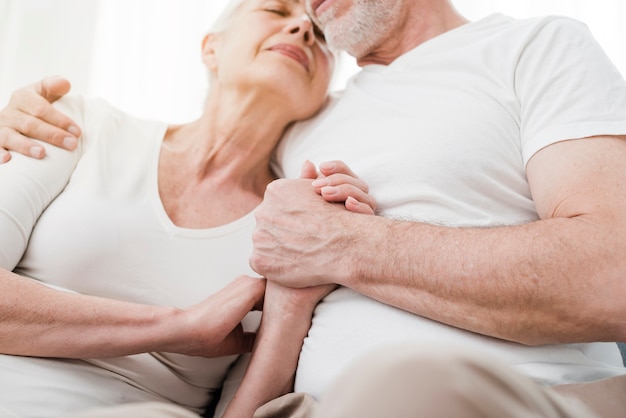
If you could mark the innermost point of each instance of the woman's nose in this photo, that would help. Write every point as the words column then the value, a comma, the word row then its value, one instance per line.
column 304, row 27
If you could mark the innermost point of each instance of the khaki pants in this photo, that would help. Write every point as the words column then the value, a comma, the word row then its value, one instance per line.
column 136, row 410
column 415, row 382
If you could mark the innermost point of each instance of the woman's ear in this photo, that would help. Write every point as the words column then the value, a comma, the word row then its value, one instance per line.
column 209, row 55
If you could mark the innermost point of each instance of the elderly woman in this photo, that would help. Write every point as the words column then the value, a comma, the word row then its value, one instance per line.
column 118, row 259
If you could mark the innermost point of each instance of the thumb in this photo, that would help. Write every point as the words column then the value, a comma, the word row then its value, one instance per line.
column 236, row 343
column 308, row 171
column 53, row 88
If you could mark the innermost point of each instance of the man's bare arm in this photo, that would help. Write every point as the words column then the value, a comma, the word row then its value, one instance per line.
column 29, row 114
column 560, row 279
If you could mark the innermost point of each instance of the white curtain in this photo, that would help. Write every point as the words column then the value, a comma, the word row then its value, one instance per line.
column 144, row 55
column 39, row 38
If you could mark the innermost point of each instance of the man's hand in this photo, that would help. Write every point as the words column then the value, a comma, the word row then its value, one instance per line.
column 303, row 233
column 30, row 114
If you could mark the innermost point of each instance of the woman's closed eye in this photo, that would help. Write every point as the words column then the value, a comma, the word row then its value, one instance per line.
column 279, row 8
column 275, row 10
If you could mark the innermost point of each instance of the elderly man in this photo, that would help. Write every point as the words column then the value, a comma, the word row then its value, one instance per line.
column 496, row 150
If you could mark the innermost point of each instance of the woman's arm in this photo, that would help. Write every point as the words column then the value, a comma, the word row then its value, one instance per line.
column 36, row 320
column 27, row 187
column 286, row 321
column 287, row 312
column 39, row 321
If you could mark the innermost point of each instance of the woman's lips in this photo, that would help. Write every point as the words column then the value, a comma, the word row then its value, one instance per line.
column 293, row 52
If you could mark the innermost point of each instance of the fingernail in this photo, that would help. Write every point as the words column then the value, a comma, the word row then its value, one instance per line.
column 328, row 165
column 36, row 151
column 329, row 191
column 69, row 142
column 320, row 182
column 74, row 130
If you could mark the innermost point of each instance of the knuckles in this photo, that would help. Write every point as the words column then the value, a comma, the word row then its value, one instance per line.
column 275, row 187
column 258, row 264
column 38, row 110
column 25, row 125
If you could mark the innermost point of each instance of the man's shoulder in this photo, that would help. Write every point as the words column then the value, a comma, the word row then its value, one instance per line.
column 539, row 24
column 499, row 22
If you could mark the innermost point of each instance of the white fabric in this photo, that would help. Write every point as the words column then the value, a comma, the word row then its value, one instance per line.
column 443, row 135
column 107, row 234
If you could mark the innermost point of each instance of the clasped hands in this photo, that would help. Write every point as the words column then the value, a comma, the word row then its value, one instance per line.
column 300, row 240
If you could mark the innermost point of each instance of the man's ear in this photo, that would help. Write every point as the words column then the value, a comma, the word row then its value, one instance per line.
column 209, row 56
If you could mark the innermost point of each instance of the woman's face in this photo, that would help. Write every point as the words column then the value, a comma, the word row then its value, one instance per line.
column 273, row 45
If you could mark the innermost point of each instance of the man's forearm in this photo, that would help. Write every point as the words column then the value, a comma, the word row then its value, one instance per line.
column 560, row 279
column 544, row 282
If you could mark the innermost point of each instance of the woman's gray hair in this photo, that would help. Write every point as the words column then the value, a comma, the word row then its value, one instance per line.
column 223, row 20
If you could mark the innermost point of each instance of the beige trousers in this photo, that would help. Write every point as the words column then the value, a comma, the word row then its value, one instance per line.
column 415, row 382
column 435, row 382
column 136, row 410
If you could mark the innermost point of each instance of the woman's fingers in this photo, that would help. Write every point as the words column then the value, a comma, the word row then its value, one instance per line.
column 308, row 171
column 340, row 179
column 355, row 206
column 341, row 193
column 336, row 167
column 36, row 101
column 340, row 184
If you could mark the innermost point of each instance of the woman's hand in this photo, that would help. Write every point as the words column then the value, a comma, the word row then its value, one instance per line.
column 39, row 321
column 30, row 114
column 213, row 327
column 335, row 182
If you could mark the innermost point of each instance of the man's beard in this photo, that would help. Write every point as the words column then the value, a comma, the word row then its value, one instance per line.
column 361, row 29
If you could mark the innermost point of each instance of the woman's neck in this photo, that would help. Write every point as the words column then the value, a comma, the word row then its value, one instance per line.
column 231, row 142
column 214, row 170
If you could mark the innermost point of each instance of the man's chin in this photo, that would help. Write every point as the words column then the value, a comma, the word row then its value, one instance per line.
column 342, row 40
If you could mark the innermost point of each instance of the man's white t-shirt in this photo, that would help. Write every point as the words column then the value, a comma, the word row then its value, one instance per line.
column 107, row 234
column 442, row 135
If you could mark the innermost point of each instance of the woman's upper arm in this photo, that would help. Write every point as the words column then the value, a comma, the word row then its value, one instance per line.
column 27, row 187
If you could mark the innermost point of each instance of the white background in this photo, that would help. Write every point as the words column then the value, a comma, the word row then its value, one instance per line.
column 144, row 55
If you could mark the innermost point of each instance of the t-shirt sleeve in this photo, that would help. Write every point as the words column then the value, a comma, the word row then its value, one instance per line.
column 567, row 86
column 28, row 186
